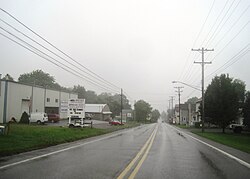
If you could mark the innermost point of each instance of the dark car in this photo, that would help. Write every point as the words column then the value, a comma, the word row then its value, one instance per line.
column 53, row 118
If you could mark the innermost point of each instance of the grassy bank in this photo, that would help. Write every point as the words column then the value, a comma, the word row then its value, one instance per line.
column 23, row 138
column 237, row 141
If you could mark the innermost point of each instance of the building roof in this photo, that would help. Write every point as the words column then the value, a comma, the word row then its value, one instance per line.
column 37, row 86
column 97, row 108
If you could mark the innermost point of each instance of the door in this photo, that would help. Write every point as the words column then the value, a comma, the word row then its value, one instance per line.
column 25, row 106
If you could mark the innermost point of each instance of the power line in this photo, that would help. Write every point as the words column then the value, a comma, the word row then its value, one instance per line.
column 54, row 53
column 230, row 41
column 215, row 22
column 232, row 60
column 47, row 59
column 56, row 47
column 218, row 17
column 216, row 33
column 203, row 25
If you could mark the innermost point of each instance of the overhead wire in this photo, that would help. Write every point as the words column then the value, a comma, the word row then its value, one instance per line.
column 202, row 27
column 91, row 73
column 23, row 41
column 55, row 47
column 232, row 60
column 244, row 26
column 53, row 52
column 224, row 47
column 214, row 24
column 215, row 33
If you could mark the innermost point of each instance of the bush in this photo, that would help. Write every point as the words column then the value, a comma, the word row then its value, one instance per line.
column 197, row 124
column 24, row 118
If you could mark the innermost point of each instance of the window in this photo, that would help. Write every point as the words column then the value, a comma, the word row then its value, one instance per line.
column 56, row 100
column 48, row 99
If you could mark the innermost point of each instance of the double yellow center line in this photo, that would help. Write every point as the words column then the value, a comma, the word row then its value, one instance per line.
column 144, row 151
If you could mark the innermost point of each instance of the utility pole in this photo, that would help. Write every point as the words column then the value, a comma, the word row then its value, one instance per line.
column 202, row 50
column 179, row 94
column 172, row 106
column 121, row 105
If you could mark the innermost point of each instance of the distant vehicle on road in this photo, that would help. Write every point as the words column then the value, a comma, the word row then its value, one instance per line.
column 115, row 122
column 38, row 117
column 53, row 117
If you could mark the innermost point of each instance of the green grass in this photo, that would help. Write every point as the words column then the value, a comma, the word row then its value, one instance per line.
column 183, row 126
column 24, row 138
column 237, row 141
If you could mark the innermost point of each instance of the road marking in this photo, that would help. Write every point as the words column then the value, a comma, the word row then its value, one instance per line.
column 219, row 150
column 137, row 168
column 65, row 149
column 131, row 164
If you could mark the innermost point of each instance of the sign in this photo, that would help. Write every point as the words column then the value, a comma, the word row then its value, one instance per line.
column 76, row 104
column 64, row 107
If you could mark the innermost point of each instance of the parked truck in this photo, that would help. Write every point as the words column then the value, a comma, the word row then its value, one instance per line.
column 76, row 114
column 237, row 128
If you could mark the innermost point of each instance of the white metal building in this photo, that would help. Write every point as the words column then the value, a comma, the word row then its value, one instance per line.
column 15, row 98
column 98, row 111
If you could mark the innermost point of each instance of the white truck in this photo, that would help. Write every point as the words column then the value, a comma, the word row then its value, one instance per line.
column 76, row 113
column 38, row 117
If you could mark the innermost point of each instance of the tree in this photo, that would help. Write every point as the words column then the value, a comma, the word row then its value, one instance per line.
column 40, row 78
column 114, row 102
column 155, row 115
column 192, row 100
column 142, row 110
column 80, row 90
column 91, row 97
column 24, row 118
column 222, row 100
column 8, row 77
column 246, row 110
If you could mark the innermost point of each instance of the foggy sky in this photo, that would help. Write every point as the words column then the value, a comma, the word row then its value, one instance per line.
column 138, row 45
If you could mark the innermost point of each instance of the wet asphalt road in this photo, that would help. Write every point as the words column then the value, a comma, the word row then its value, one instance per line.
column 173, row 154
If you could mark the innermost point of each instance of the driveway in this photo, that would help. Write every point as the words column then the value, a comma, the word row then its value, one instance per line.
column 96, row 123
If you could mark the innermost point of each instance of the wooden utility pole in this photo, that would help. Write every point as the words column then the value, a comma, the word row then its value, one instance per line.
column 179, row 94
column 202, row 50
column 121, row 105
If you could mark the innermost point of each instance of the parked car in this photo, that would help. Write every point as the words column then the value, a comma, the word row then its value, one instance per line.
column 38, row 117
column 53, row 118
column 237, row 128
column 115, row 122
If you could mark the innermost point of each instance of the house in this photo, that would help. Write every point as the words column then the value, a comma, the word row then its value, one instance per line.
column 127, row 114
column 98, row 111
column 197, row 116
column 187, row 114
column 15, row 98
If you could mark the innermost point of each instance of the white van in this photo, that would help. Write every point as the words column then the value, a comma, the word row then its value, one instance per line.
column 39, row 117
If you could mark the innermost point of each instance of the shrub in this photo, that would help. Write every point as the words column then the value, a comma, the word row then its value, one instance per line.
column 197, row 124
column 24, row 118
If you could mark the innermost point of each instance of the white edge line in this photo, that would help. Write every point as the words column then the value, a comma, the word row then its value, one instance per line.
column 65, row 149
column 219, row 150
